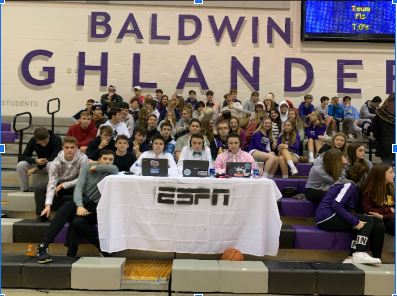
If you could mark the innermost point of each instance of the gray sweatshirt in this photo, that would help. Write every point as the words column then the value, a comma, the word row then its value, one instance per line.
column 318, row 177
column 86, row 187
column 64, row 171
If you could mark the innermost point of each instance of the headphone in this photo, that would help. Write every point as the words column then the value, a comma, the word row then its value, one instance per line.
column 158, row 137
column 197, row 136
column 235, row 136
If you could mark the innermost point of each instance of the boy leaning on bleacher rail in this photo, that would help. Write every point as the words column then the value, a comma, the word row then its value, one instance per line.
column 62, row 178
column 47, row 146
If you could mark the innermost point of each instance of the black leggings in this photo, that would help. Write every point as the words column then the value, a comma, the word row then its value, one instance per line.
column 314, row 195
column 79, row 226
column 83, row 227
column 374, row 230
column 390, row 227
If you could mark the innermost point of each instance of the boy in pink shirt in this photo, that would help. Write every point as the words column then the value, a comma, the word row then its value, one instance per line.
column 233, row 154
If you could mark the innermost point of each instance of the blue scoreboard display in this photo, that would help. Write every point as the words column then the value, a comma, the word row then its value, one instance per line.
column 348, row 20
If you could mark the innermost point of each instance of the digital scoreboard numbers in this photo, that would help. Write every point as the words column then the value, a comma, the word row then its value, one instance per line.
column 361, row 20
column 361, row 14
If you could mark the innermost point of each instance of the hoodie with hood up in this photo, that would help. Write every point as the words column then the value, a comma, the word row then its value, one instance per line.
column 283, row 117
column 64, row 171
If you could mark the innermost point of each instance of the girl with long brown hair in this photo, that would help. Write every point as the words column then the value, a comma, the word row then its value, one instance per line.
column 356, row 154
column 377, row 195
column 288, row 149
column 326, row 170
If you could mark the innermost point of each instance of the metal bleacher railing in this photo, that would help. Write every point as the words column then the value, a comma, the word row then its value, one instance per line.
column 29, row 124
column 20, row 131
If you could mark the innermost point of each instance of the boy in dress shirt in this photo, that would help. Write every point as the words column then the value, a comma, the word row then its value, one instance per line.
column 195, row 151
column 156, row 151
column 233, row 154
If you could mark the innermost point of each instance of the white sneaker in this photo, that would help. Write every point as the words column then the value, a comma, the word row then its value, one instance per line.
column 294, row 171
column 311, row 159
column 348, row 260
column 362, row 257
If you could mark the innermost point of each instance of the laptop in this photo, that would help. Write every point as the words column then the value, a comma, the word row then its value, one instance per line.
column 195, row 168
column 238, row 169
column 155, row 167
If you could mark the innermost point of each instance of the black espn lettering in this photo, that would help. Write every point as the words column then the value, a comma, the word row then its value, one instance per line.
column 226, row 194
column 199, row 196
column 184, row 199
column 190, row 196
column 166, row 197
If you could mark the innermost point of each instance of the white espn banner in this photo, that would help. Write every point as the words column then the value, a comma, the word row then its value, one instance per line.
column 189, row 215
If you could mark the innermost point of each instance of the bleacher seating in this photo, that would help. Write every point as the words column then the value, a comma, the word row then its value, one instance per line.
column 310, row 277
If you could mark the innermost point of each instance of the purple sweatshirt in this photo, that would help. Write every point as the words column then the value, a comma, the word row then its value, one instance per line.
column 340, row 200
column 259, row 142
column 312, row 132
column 293, row 148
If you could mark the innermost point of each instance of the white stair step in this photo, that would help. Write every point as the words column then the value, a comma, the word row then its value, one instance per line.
column 19, row 202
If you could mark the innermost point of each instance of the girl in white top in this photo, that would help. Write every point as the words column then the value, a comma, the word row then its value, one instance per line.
column 157, row 151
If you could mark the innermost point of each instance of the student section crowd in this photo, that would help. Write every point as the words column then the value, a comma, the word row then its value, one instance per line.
column 111, row 136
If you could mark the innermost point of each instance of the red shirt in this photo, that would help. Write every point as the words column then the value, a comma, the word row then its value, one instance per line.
column 83, row 136
column 385, row 210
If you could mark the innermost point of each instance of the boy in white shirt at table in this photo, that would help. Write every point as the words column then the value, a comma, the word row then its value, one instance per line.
column 195, row 151
column 156, row 151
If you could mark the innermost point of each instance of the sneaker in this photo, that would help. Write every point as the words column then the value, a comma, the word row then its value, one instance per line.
column 362, row 257
column 348, row 260
column 311, row 159
column 294, row 171
column 42, row 254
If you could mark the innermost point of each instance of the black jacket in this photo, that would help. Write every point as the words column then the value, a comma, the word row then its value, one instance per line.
column 93, row 148
column 50, row 151
column 383, row 129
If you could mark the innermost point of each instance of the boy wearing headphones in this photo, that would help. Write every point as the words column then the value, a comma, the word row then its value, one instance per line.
column 195, row 151
column 156, row 151
column 194, row 127
column 233, row 154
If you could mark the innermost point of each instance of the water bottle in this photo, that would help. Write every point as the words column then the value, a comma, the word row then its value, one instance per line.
column 212, row 173
column 256, row 173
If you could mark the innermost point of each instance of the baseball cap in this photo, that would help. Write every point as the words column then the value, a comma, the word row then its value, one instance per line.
column 261, row 104
column 138, row 87
column 97, row 105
